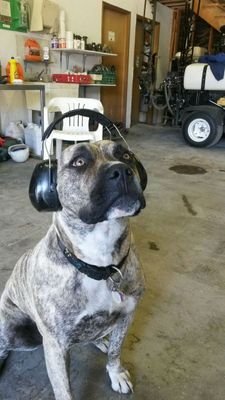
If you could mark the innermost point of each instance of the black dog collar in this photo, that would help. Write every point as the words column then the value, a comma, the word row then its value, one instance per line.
column 92, row 271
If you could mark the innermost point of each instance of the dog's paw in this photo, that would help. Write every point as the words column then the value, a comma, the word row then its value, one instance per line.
column 102, row 344
column 120, row 380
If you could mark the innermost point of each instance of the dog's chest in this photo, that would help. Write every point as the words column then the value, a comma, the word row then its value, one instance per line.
column 102, row 296
column 94, row 307
column 102, row 310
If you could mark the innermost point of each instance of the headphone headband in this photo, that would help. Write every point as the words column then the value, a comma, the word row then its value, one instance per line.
column 84, row 112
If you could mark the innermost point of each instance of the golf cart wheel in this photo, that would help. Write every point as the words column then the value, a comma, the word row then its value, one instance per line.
column 201, row 129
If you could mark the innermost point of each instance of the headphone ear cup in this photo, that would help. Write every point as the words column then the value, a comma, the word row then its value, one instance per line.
column 142, row 173
column 43, row 187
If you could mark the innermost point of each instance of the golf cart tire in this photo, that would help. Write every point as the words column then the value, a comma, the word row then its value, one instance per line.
column 211, row 124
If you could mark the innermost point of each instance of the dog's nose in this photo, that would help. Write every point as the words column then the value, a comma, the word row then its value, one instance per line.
column 119, row 172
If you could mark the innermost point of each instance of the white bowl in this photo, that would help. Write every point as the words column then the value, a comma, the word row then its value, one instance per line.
column 19, row 152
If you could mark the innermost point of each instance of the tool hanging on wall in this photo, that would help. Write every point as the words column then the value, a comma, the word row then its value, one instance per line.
column 147, row 75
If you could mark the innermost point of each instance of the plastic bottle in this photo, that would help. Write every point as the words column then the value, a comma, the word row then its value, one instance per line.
column 12, row 70
column 46, row 53
column 82, row 43
column 19, row 70
column 62, row 43
column 54, row 41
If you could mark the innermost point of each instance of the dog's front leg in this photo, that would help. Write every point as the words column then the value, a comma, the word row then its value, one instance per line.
column 57, row 362
column 119, row 376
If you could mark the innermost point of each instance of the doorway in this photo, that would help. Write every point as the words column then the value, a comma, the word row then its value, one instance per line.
column 142, row 37
column 115, row 34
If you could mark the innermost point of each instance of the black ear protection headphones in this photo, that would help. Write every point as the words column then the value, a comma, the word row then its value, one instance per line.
column 43, row 184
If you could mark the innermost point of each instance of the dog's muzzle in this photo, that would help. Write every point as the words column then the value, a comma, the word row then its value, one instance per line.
column 117, row 187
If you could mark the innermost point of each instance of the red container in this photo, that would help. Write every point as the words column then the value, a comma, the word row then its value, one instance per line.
column 72, row 78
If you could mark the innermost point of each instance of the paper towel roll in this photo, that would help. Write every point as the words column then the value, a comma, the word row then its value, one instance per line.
column 62, row 15
column 62, row 24
column 62, row 34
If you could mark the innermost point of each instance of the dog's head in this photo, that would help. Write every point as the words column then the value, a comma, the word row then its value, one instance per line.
column 100, row 181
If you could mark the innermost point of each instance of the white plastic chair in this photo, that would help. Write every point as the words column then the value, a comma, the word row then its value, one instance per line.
column 75, row 129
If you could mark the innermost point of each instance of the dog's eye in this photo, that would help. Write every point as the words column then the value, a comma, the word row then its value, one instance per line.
column 126, row 156
column 79, row 162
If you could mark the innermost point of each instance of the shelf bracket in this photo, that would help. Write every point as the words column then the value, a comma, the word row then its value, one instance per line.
column 67, row 60
column 60, row 61
column 84, row 61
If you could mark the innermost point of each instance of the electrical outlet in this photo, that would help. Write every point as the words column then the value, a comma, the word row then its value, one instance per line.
column 111, row 36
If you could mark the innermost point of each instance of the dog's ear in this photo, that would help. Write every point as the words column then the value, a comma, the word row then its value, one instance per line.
column 142, row 172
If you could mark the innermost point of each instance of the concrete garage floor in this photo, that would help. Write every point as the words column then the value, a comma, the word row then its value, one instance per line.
column 175, row 349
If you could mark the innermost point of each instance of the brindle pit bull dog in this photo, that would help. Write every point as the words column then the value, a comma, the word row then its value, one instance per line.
column 83, row 280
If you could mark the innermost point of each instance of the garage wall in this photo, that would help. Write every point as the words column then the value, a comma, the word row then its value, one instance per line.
column 86, row 18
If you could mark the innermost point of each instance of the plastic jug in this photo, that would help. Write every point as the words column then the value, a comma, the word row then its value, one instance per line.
column 33, row 138
column 15, row 130
column 19, row 71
